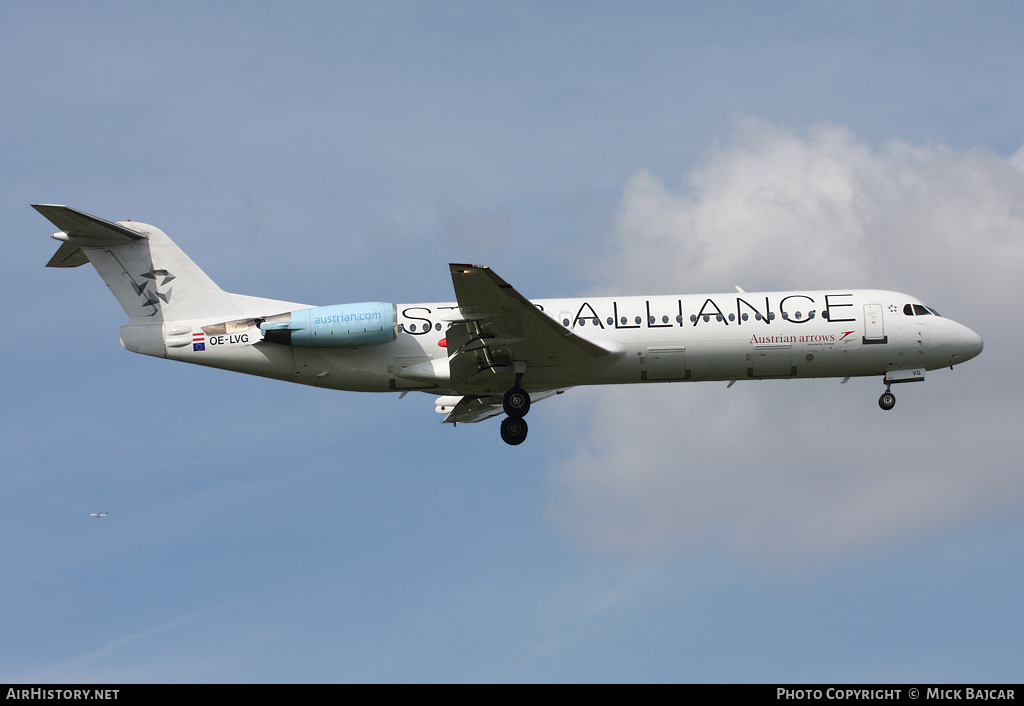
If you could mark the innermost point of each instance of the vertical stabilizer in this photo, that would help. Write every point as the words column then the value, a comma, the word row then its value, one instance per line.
column 150, row 276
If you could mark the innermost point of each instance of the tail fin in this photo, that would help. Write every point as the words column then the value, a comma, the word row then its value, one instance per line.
column 150, row 276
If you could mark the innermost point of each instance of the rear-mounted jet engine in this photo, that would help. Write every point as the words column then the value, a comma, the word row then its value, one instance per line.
column 338, row 326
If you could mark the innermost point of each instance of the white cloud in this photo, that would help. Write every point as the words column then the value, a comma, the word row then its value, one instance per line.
column 786, row 470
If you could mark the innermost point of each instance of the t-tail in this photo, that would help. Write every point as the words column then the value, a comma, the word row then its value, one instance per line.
column 157, row 284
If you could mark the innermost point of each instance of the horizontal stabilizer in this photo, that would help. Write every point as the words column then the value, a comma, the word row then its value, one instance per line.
column 80, row 230
column 68, row 255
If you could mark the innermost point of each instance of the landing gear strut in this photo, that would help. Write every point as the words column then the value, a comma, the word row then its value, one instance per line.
column 888, row 400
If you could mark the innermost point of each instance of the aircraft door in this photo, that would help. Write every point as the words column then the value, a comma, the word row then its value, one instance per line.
column 874, row 325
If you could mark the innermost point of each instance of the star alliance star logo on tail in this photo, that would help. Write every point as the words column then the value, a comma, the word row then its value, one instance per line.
column 154, row 297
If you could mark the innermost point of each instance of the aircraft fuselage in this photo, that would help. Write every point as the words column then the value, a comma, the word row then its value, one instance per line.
column 733, row 336
column 494, row 351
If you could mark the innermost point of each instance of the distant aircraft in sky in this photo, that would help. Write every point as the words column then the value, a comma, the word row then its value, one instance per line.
column 493, row 351
column 100, row 514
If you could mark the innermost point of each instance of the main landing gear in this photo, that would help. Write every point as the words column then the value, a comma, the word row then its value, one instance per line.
column 516, row 404
column 513, row 430
column 888, row 400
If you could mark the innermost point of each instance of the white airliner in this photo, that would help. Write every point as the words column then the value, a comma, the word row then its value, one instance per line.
column 493, row 351
column 100, row 514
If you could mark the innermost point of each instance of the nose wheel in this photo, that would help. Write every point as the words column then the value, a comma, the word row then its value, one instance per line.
column 888, row 400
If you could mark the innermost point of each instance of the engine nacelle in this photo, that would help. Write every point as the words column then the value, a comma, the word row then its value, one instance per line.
column 338, row 326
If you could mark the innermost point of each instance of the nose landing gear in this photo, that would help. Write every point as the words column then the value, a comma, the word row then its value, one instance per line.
column 888, row 400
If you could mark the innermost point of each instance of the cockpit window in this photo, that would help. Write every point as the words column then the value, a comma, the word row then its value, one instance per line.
column 919, row 310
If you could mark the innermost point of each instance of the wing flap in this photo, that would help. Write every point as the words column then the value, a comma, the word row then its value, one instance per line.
column 472, row 409
column 476, row 408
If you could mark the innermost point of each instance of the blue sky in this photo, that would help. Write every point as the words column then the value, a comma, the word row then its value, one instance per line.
column 337, row 152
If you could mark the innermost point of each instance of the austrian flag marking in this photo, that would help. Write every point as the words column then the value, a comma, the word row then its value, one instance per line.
column 198, row 341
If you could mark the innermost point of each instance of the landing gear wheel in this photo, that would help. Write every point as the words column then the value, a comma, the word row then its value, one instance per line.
column 513, row 430
column 516, row 402
column 887, row 401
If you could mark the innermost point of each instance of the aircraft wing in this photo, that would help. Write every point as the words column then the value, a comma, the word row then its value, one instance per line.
column 476, row 408
column 498, row 332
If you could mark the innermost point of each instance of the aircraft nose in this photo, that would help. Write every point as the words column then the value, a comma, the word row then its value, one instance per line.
column 970, row 345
